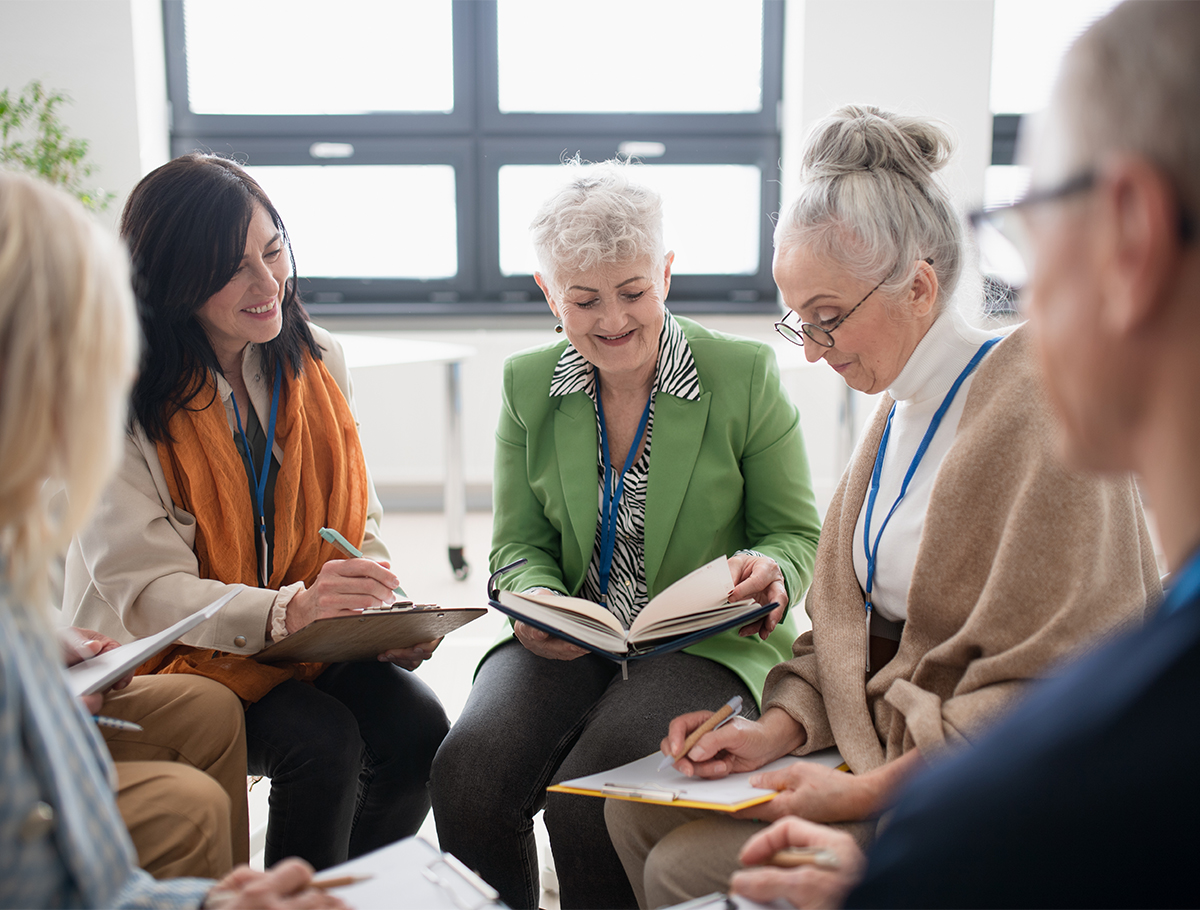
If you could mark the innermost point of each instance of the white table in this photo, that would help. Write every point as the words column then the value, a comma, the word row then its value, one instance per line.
column 380, row 350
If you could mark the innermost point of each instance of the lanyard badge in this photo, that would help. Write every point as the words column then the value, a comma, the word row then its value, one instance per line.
column 259, row 478
column 872, row 550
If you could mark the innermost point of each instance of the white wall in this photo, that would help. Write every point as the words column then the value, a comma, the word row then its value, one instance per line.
column 107, row 56
column 930, row 57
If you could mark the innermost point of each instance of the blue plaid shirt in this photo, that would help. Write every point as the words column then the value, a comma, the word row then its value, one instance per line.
column 62, row 840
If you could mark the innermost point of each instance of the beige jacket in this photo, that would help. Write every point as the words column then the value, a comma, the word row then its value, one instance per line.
column 1022, row 564
column 132, row 571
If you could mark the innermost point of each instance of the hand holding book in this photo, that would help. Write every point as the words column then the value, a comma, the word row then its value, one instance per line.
column 759, row 578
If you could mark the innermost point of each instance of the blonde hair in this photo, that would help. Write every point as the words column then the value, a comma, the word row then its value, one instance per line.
column 67, row 351
column 871, row 199
column 600, row 215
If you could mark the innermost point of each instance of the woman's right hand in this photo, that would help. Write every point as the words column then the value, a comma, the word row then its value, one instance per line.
column 287, row 886
column 343, row 587
column 740, row 745
column 543, row 644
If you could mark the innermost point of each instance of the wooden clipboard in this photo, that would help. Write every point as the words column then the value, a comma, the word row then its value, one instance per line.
column 367, row 635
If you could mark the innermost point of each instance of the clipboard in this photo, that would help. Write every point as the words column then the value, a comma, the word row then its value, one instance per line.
column 411, row 873
column 366, row 635
column 100, row 672
column 659, row 646
column 641, row 782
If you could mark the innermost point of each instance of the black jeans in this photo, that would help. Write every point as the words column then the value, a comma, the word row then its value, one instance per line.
column 348, row 756
column 530, row 722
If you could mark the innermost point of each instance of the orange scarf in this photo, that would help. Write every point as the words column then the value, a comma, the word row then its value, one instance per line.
column 322, row 482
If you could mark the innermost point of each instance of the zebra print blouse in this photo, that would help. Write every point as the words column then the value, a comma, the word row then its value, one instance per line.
column 675, row 375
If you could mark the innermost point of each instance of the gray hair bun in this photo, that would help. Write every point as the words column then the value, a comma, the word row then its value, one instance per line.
column 861, row 138
column 870, row 198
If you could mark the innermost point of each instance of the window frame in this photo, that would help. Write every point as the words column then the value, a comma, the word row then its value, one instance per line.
column 477, row 139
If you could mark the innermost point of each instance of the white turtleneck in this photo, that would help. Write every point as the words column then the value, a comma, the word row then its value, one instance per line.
column 939, row 357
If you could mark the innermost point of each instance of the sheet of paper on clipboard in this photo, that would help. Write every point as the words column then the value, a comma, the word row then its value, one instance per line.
column 640, row 781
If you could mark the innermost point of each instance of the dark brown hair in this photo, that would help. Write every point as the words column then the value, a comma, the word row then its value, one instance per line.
column 186, row 224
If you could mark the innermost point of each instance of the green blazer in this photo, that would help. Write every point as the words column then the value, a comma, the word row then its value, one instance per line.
column 727, row 472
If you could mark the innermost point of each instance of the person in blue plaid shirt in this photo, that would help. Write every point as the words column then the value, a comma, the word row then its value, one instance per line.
column 67, row 352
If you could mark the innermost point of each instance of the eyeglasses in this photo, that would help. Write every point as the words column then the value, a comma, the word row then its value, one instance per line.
column 1005, row 248
column 816, row 334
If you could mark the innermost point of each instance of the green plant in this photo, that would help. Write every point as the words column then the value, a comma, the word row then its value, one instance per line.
column 34, row 139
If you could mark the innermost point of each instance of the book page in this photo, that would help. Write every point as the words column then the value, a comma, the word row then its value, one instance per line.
column 702, row 589
column 581, row 618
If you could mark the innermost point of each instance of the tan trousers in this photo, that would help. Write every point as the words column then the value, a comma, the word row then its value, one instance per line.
column 672, row 855
column 182, row 789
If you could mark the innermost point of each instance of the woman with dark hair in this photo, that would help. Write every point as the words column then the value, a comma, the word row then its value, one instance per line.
column 243, row 443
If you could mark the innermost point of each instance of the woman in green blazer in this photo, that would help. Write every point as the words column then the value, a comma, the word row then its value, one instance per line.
column 728, row 476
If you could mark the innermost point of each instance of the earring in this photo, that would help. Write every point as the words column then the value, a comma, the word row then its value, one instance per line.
column 558, row 329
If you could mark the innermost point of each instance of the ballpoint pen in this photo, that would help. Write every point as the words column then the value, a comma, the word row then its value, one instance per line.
column 335, row 538
column 116, row 723
column 727, row 712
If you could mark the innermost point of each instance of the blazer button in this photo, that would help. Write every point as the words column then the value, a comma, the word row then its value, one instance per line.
column 38, row 823
column 240, row 641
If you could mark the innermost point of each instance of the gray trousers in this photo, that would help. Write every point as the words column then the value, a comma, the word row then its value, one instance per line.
column 531, row 722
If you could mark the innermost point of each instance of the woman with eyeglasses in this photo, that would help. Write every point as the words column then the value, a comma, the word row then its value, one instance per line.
column 959, row 558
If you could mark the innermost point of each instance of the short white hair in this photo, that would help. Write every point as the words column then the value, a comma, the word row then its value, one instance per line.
column 1132, row 83
column 600, row 215
column 67, row 352
column 871, row 200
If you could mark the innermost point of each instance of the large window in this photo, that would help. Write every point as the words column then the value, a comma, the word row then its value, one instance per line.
column 408, row 144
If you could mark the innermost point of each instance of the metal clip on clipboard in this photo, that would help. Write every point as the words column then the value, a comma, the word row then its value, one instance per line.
column 464, row 888
column 658, row 794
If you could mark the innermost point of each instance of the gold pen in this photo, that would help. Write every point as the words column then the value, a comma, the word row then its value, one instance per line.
column 790, row 857
column 324, row 884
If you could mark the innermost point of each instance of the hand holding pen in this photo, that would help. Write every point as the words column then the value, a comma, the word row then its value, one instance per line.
column 79, row 645
column 806, row 864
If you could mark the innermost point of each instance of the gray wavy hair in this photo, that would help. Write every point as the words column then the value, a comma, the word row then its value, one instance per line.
column 871, row 200
column 600, row 215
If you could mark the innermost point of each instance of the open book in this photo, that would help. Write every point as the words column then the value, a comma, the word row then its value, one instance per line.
column 691, row 609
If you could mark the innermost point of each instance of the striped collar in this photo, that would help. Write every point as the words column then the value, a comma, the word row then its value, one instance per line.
column 674, row 374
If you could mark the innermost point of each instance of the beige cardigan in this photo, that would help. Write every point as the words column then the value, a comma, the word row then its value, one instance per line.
column 1021, row 565
column 131, row 571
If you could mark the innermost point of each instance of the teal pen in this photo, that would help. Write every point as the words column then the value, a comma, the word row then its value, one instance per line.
column 333, row 537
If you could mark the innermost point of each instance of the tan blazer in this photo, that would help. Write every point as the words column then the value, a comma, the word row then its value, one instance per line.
column 131, row 570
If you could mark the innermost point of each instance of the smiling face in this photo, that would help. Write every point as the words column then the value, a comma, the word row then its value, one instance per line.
column 872, row 346
column 249, row 308
column 613, row 315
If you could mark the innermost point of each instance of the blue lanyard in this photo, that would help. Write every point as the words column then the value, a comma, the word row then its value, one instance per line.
column 260, row 479
column 1185, row 586
column 873, row 551
column 610, row 501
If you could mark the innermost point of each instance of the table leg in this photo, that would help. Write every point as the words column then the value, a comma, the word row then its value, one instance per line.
column 455, row 491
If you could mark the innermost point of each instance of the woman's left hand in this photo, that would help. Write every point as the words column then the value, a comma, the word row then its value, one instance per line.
column 811, row 791
column 760, row 578
column 411, row 658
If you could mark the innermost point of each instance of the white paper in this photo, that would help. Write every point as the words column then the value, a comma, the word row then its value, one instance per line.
column 411, row 873
column 642, row 775
column 102, row 671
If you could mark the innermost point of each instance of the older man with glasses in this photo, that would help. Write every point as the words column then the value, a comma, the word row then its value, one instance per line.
column 1088, row 795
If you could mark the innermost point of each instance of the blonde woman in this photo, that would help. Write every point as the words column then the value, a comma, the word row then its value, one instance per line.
column 67, row 344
